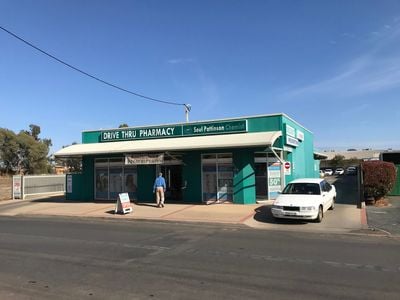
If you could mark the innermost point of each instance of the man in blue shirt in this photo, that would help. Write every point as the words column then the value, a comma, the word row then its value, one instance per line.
column 159, row 188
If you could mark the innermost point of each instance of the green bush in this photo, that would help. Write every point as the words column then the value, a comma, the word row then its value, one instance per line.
column 379, row 178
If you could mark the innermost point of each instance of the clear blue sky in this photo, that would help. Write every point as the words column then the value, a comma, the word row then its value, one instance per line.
column 333, row 66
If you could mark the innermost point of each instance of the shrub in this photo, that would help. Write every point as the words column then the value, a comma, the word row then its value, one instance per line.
column 379, row 178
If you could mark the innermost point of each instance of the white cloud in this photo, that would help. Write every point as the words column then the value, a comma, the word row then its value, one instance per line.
column 376, row 70
column 174, row 61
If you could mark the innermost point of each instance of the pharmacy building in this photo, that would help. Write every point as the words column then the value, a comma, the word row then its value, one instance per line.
column 237, row 160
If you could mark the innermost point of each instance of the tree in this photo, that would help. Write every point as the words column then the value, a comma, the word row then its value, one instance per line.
column 123, row 125
column 9, row 151
column 35, row 131
column 73, row 165
column 379, row 178
column 33, row 154
column 24, row 152
column 337, row 161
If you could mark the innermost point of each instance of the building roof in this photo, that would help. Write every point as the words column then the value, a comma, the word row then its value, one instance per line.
column 260, row 139
column 362, row 154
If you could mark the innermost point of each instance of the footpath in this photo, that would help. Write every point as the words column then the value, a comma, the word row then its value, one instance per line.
column 344, row 219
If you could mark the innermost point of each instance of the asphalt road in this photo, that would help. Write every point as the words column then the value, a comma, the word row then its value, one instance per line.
column 346, row 188
column 387, row 218
column 47, row 258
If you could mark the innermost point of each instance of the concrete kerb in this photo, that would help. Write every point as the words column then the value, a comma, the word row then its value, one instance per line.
column 231, row 214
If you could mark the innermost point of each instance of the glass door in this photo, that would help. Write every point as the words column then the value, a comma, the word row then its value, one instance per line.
column 130, row 182
column 101, row 191
column 217, row 177
column 116, row 187
column 173, row 181
column 261, row 179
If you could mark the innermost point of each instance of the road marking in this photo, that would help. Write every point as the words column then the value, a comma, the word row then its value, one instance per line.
column 272, row 258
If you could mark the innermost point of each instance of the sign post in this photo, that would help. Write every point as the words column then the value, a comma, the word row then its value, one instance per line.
column 123, row 204
column 17, row 190
column 287, row 168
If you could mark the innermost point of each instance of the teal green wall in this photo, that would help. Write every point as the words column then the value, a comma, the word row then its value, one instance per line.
column 191, row 173
column 90, row 137
column 259, row 124
column 254, row 124
column 77, row 187
column 302, row 157
column 88, row 178
column 244, row 182
column 145, row 182
column 83, row 183
column 396, row 188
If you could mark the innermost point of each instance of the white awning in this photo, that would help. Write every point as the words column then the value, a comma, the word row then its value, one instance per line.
column 255, row 139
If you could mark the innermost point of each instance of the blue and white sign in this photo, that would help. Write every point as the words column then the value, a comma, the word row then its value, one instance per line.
column 274, row 180
column 292, row 141
column 290, row 131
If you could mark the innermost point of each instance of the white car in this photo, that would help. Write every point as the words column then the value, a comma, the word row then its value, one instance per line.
column 305, row 199
column 339, row 171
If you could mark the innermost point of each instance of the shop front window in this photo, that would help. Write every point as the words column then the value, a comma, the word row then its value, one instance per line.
column 101, row 183
column 113, row 177
column 115, row 182
column 217, row 178
column 130, row 182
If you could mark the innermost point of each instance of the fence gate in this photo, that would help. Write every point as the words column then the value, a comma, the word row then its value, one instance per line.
column 37, row 185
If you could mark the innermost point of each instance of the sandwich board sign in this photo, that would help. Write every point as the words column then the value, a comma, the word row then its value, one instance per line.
column 123, row 204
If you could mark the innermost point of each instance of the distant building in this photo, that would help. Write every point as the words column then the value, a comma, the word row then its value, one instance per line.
column 357, row 154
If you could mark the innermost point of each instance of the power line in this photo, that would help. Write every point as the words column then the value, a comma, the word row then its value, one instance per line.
column 91, row 76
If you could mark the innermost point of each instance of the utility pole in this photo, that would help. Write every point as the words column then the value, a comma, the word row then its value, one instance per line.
column 188, row 107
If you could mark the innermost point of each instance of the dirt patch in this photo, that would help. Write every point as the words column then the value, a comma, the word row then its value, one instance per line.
column 381, row 203
column 5, row 188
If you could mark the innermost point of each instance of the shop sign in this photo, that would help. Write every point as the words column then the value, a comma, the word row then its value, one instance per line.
column 123, row 204
column 292, row 141
column 127, row 134
column 140, row 133
column 215, row 128
column 144, row 159
column 300, row 135
column 290, row 131
column 69, row 183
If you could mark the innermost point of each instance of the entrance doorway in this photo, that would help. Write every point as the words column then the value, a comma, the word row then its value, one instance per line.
column 173, row 180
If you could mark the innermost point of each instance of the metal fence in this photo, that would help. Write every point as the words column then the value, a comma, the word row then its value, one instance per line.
column 31, row 185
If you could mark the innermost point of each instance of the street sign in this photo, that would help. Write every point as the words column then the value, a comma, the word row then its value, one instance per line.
column 287, row 168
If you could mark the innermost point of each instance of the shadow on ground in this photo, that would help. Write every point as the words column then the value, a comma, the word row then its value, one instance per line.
column 263, row 214
column 54, row 199
column 346, row 188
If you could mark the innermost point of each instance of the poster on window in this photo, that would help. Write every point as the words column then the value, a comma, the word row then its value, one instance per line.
column 69, row 184
column 17, row 187
column 274, row 180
